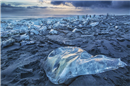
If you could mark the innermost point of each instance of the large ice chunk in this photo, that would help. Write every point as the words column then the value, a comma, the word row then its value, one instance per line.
column 68, row 62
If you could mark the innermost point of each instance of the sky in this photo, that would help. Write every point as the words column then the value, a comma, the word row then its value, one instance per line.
column 56, row 8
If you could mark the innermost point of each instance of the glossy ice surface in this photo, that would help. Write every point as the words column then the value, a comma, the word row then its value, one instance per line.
column 68, row 62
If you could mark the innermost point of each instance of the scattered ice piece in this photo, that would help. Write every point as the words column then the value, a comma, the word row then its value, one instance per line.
column 9, row 27
column 116, row 27
column 56, row 25
column 110, row 23
column 76, row 23
column 1, row 43
column 49, row 21
column 86, row 22
column 50, row 27
column 127, row 23
column 62, row 25
column 34, row 31
column 94, row 24
column 27, row 43
column 31, row 33
column 22, row 31
column 25, row 27
column 63, row 22
column 24, row 37
column 35, row 27
column 4, row 34
column 14, row 32
column 74, row 30
column 53, row 32
column 1, row 29
column 68, row 62
column 37, row 22
column 80, row 26
column 42, row 29
column 7, row 42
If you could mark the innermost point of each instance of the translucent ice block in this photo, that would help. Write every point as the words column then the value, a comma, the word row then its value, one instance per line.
column 68, row 62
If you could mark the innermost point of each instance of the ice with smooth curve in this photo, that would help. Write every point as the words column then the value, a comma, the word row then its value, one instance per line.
column 68, row 62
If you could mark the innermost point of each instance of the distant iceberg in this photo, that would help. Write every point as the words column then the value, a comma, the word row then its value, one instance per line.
column 68, row 62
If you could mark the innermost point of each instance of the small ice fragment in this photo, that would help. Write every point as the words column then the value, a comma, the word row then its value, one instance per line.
column 4, row 34
column 116, row 27
column 1, row 29
column 127, row 23
column 94, row 24
column 42, row 30
column 7, row 42
column 26, row 43
column 24, row 37
column 80, row 26
column 74, row 30
column 49, row 22
column 56, row 25
column 34, row 31
column 53, row 32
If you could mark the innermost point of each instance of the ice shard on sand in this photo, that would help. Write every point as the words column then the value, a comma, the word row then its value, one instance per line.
column 68, row 62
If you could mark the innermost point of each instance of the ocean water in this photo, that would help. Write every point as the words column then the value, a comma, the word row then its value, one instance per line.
column 34, row 17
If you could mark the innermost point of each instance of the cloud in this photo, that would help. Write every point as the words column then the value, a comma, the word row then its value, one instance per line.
column 84, row 3
column 9, row 7
column 32, row 7
column 5, row 5
column 13, row 10
column 94, row 3
column 121, row 4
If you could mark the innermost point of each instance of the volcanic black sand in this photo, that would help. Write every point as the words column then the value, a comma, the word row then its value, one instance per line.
column 21, row 65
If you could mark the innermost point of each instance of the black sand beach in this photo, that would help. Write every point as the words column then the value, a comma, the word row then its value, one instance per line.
column 22, row 57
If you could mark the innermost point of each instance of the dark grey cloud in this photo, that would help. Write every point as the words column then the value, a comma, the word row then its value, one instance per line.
column 94, row 3
column 8, row 8
column 32, row 7
column 13, row 11
column 5, row 6
column 84, row 3
column 121, row 4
